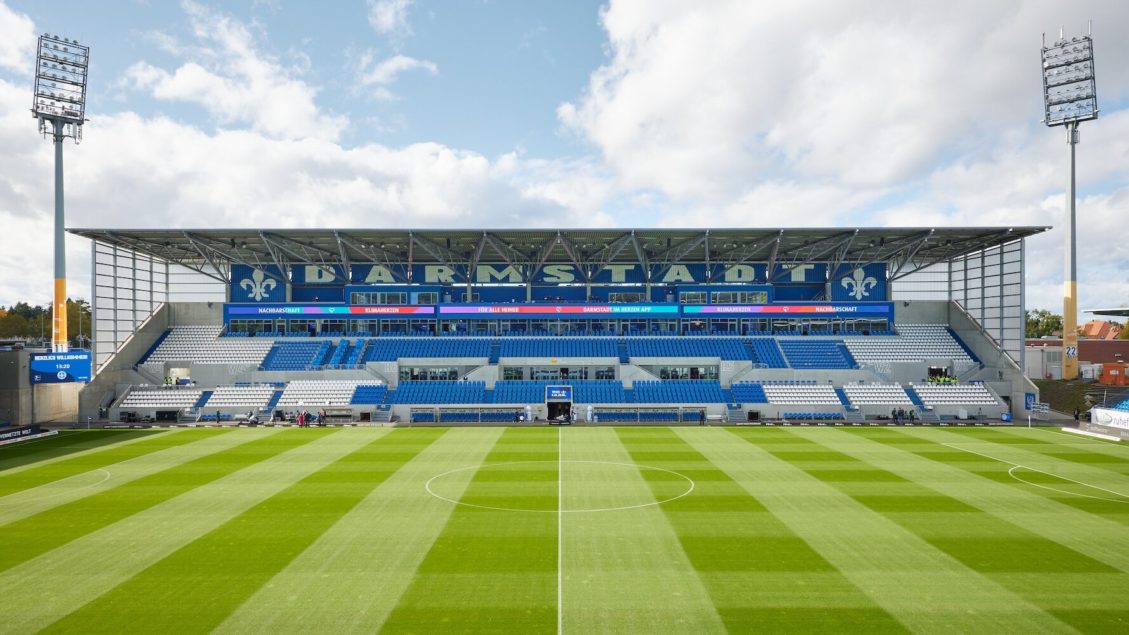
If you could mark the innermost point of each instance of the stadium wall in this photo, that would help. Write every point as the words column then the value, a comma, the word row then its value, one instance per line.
column 1001, row 373
column 117, row 373
column 22, row 403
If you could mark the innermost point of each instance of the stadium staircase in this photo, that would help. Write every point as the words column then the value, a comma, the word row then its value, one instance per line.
column 337, row 356
column 325, row 352
column 160, row 338
column 194, row 411
column 495, row 351
column 274, row 400
column 621, row 349
column 919, row 405
column 383, row 414
column 361, row 353
column 764, row 351
column 961, row 343
column 843, row 398
column 488, row 396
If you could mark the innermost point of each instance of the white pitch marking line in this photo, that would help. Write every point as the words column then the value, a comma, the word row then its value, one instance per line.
column 105, row 478
column 560, row 531
column 1011, row 473
column 430, row 490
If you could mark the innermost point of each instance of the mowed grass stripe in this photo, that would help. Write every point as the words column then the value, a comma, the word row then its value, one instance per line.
column 491, row 570
column 984, row 483
column 196, row 587
column 105, row 456
column 169, row 451
column 1005, row 547
column 760, row 575
column 624, row 570
column 199, row 463
column 899, row 570
column 352, row 577
column 1074, row 457
column 46, row 450
column 47, row 588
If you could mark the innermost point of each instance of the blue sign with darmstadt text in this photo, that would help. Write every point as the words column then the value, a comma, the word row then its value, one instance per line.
column 57, row 368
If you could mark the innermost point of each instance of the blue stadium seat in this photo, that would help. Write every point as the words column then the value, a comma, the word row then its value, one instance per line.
column 828, row 354
column 679, row 391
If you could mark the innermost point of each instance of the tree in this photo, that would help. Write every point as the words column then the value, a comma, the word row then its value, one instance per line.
column 22, row 320
column 78, row 321
column 1042, row 323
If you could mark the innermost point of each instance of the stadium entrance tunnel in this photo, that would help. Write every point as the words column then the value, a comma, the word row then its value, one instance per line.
column 560, row 486
column 559, row 411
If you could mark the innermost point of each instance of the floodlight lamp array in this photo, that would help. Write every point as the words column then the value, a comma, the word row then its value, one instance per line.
column 1069, row 85
column 60, row 83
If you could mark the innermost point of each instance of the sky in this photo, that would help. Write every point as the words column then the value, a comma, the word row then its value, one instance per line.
column 577, row 114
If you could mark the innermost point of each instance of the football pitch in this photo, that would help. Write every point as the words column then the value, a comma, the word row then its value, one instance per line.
column 577, row 530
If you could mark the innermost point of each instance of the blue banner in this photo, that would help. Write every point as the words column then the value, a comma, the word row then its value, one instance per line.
column 859, row 284
column 57, row 368
column 257, row 284
column 549, row 274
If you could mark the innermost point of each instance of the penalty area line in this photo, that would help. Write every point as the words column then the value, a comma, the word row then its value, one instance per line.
column 1014, row 466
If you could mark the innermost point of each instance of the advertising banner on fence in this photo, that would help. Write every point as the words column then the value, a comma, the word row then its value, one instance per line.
column 1111, row 418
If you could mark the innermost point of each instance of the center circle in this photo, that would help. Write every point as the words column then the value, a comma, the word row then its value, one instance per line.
column 596, row 480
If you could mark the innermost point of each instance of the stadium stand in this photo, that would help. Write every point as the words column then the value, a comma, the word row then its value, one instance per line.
column 588, row 391
column 749, row 392
column 202, row 345
column 934, row 395
column 390, row 350
column 557, row 347
column 914, row 343
column 679, row 391
column 294, row 355
column 764, row 351
column 816, row 354
column 723, row 348
column 439, row 392
column 368, row 394
column 877, row 395
column 240, row 397
column 320, row 392
column 801, row 393
column 159, row 398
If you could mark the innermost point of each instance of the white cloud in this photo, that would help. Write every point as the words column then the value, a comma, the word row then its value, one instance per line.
column 702, row 100
column 807, row 113
column 119, row 177
column 377, row 77
column 17, row 40
column 236, row 83
column 390, row 17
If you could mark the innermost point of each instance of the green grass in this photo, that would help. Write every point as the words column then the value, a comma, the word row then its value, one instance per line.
column 799, row 529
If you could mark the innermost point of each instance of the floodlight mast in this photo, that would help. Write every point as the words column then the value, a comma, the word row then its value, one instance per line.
column 59, row 104
column 1069, row 98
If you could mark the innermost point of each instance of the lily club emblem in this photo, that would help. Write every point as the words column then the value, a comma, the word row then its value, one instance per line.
column 258, row 285
column 858, row 284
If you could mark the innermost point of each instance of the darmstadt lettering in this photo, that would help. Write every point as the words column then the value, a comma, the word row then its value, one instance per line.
column 566, row 273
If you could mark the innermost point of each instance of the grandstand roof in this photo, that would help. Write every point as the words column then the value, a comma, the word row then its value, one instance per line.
column 905, row 248
column 1121, row 312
